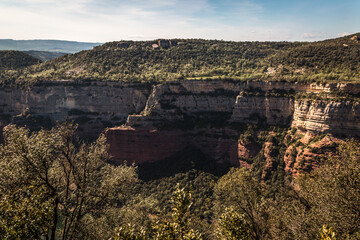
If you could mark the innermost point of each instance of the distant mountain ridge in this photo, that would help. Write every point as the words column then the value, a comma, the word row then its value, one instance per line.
column 46, row 45
column 15, row 59
column 44, row 55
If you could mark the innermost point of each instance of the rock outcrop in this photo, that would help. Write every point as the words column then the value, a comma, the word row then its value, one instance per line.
column 256, row 110
column 163, row 119
column 198, row 107
column 307, row 155
column 340, row 118
column 94, row 106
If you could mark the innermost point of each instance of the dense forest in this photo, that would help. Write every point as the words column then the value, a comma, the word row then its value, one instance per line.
column 164, row 60
column 44, row 55
column 57, row 187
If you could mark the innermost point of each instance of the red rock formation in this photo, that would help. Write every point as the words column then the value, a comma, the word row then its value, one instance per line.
column 305, row 158
column 247, row 150
column 143, row 145
column 268, row 154
column 139, row 145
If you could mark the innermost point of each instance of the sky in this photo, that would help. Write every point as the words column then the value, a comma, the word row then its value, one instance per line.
column 235, row 20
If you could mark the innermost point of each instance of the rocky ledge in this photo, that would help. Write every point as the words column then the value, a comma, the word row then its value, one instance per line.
column 191, row 110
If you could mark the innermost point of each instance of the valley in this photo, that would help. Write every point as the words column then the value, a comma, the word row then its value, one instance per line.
column 261, row 134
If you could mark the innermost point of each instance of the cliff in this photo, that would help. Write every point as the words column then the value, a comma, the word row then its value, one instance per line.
column 163, row 119
column 340, row 118
column 271, row 103
column 198, row 107
column 94, row 105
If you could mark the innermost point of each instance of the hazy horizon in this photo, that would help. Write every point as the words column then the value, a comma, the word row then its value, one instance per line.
column 135, row 40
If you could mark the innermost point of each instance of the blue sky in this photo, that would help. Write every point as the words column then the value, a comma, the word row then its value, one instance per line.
column 237, row 20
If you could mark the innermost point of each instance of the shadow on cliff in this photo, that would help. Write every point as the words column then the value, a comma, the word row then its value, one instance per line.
column 181, row 162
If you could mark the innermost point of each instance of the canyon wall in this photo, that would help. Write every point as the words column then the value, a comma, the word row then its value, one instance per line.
column 94, row 105
column 166, row 118
column 340, row 118
column 179, row 101
column 198, row 107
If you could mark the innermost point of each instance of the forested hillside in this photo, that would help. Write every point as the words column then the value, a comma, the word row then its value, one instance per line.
column 55, row 187
column 15, row 59
column 163, row 60
column 44, row 55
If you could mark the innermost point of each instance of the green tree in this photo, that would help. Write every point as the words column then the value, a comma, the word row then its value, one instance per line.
column 333, row 191
column 176, row 229
column 239, row 190
column 25, row 214
column 75, row 175
column 328, row 195
column 233, row 226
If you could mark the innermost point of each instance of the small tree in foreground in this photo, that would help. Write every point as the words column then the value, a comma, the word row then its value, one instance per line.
column 244, row 194
column 233, row 226
column 75, row 177
column 177, row 229
column 327, row 233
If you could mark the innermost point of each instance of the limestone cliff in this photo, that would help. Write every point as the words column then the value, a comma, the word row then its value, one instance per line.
column 340, row 118
column 271, row 103
column 272, row 110
column 198, row 107
column 94, row 105
column 165, row 118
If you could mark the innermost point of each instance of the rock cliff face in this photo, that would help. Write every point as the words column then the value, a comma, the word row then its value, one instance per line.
column 165, row 118
column 197, row 107
column 176, row 101
column 340, row 118
column 145, row 144
column 94, row 106
column 272, row 110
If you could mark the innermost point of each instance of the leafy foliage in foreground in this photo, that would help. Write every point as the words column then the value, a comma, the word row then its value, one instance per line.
column 328, row 195
column 233, row 225
column 330, row 60
column 78, row 182
column 176, row 229
column 50, row 183
column 25, row 214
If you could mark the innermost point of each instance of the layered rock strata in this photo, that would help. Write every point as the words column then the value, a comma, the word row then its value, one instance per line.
column 199, row 106
column 93, row 105
column 165, row 118
column 340, row 118
column 177, row 101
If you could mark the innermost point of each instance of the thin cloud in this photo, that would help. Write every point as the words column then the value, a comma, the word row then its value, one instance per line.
column 343, row 34
column 109, row 20
column 316, row 36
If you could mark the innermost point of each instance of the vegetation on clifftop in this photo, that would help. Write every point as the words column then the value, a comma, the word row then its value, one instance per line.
column 149, row 61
